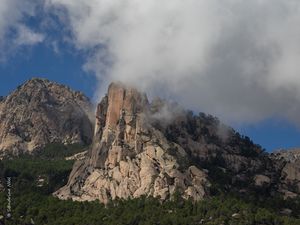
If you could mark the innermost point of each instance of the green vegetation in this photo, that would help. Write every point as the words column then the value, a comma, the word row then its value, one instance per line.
column 48, row 166
column 59, row 151
column 44, row 209
column 32, row 201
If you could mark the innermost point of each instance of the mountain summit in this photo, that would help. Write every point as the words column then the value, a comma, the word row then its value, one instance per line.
column 41, row 112
column 130, row 157
column 158, row 149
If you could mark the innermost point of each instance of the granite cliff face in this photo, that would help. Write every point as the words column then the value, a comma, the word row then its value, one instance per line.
column 41, row 112
column 156, row 149
column 129, row 157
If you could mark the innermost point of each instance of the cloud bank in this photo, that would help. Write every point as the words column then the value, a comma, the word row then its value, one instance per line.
column 237, row 59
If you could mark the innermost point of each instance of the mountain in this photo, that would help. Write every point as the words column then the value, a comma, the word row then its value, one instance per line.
column 41, row 112
column 130, row 157
column 158, row 149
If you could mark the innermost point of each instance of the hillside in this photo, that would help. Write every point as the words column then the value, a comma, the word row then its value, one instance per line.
column 35, row 177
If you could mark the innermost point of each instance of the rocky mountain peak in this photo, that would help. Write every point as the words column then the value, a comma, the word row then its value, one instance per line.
column 130, row 157
column 40, row 112
column 120, row 107
column 157, row 149
column 123, row 103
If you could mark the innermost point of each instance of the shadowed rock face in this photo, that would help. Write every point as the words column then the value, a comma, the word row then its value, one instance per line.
column 155, row 149
column 41, row 112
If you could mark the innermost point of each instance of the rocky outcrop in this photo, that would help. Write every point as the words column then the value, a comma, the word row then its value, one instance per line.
column 41, row 112
column 131, row 158
column 77, row 156
column 261, row 180
column 156, row 149
column 288, row 155
column 290, row 173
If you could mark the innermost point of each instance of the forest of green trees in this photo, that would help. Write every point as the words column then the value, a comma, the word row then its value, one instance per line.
column 32, row 202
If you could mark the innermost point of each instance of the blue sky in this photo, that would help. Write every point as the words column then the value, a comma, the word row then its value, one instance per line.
column 229, row 64
column 41, row 61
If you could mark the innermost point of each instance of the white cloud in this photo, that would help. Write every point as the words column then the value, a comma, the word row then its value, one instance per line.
column 234, row 58
column 26, row 36
column 13, row 30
